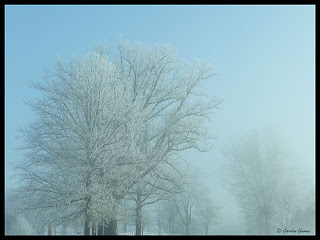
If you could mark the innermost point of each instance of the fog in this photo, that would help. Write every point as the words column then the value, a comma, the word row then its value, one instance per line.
column 160, row 120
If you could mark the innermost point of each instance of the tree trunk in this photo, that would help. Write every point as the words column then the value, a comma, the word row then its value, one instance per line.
column 110, row 228
column 188, row 223
column 100, row 229
column 87, row 216
column 206, row 228
column 260, row 224
column 50, row 230
column 105, row 228
column 86, row 227
column 193, row 227
column 125, row 227
column 138, row 214
column 267, row 227
column 94, row 232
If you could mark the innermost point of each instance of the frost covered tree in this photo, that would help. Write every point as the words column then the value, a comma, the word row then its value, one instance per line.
column 170, row 91
column 104, row 121
column 80, row 143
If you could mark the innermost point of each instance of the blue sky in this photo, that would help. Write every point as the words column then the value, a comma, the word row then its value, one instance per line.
column 265, row 56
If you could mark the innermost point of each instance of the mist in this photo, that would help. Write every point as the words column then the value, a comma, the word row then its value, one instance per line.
column 160, row 120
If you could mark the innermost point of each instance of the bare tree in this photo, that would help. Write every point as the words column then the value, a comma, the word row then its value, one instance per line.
column 254, row 175
column 185, row 203
column 167, row 217
column 125, row 214
column 304, row 218
column 208, row 211
column 162, row 183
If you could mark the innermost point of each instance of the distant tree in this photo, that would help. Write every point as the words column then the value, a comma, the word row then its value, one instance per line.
column 255, row 176
column 146, row 220
column 304, row 218
column 185, row 203
column 167, row 217
column 15, row 225
column 208, row 211
column 125, row 214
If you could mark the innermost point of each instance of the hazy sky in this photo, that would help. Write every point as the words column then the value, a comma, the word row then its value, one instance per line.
column 265, row 56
